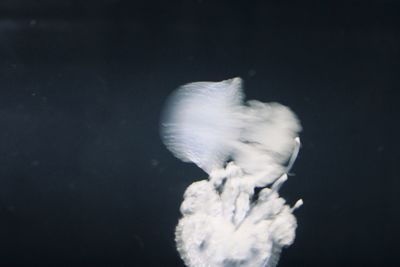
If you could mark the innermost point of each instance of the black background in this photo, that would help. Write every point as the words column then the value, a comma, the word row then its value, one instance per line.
column 84, row 177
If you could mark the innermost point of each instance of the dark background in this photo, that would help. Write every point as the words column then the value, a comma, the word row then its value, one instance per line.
column 84, row 177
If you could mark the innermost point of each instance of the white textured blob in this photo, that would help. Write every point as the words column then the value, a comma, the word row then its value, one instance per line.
column 223, row 223
column 222, row 226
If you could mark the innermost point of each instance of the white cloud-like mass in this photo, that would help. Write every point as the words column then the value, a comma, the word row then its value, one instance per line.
column 242, row 146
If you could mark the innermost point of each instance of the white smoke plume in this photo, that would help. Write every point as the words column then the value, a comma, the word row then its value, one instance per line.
column 242, row 146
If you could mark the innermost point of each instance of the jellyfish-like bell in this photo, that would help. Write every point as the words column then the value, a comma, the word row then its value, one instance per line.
column 207, row 123
column 199, row 124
